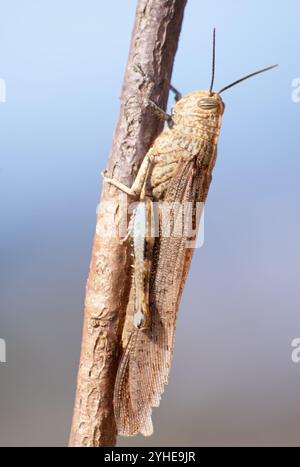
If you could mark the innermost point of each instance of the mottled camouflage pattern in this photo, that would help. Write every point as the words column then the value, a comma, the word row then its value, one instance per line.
column 177, row 168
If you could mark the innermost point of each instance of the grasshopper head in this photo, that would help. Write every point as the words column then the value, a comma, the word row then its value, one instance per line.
column 200, row 106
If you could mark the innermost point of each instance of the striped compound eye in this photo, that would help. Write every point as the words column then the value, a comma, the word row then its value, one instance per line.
column 208, row 103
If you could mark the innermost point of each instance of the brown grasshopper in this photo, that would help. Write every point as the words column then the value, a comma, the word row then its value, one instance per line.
column 176, row 169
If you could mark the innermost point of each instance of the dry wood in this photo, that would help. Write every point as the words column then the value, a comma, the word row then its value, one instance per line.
column 154, row 43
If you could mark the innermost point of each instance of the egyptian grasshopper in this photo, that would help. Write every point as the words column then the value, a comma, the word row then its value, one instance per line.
column 176, row 169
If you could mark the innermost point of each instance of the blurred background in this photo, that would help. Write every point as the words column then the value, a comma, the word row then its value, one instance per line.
column 233, row 382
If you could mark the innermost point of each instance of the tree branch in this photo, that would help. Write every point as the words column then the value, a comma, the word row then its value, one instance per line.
column 154, row 43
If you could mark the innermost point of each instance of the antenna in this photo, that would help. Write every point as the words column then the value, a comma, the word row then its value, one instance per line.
column 213, row 62
column 247, row 77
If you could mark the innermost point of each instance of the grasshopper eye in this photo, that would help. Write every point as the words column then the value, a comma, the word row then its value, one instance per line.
column 208, row 103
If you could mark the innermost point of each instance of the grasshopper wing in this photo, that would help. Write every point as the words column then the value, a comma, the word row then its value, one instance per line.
column 145, row 365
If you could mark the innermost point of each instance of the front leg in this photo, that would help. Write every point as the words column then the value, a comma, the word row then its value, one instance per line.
column 139, row 181
column 138, row 68
column 177, row 94
column 160, row 113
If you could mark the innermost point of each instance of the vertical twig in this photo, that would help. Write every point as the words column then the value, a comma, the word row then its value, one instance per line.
column 154, row 43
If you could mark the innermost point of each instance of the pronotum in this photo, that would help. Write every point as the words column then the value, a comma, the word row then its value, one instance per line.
column 176, row 170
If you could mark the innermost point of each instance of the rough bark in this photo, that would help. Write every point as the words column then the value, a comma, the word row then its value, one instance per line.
column 154, row 43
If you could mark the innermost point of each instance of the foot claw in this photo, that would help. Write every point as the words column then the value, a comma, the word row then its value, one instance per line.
column 138, row 68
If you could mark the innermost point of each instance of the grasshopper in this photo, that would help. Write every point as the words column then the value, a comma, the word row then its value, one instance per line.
column 176, row 169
